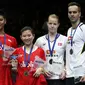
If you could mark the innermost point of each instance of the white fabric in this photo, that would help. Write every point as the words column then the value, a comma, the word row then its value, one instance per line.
column 75, row 63
column 58, row 54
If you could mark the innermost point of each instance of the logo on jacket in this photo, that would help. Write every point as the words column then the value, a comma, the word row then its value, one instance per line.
column 44, row 44
column 59, row 44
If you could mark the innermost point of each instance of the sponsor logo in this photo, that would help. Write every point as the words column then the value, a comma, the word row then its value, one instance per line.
column 48, row 52
column 9, row 40
column 9, row 49
column 59, row 44
column 44, row 44
column 39, row 61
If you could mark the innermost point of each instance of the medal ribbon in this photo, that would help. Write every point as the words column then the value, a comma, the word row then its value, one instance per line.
column 51, row 50
column 4, row 41
column 73, row 34
column 29, row 55
column 72, row 37
column 3, row 44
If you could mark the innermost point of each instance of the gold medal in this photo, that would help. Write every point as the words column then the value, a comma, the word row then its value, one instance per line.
column 26, row 73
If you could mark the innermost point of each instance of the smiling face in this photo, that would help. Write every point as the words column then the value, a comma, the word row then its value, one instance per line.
column 27, row 37
column 74, row 13
column 53, row 24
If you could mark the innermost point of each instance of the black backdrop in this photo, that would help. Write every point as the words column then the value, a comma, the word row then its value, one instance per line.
column 34, row 13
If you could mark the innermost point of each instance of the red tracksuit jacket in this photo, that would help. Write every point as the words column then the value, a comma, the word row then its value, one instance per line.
column 21, row 78
column 5, row 72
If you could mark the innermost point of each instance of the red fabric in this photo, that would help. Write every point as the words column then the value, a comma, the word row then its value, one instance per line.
column 37, row 81
column 38, row 52
column 10, row 41
column 5, row 72
column 29, row 80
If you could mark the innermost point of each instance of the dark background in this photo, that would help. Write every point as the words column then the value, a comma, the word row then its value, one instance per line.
column 34, row 13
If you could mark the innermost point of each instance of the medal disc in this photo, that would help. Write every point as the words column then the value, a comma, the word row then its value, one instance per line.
column 26, row 73
column 50, row 61
column 71, row 51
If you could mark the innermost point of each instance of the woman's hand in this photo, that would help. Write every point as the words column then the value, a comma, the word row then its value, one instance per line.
column 82, row 79
column 23, row 64
column 48, row 74
column 62, row 75
column 38, row 72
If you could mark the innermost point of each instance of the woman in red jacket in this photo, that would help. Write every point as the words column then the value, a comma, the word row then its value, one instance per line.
column 29, row 73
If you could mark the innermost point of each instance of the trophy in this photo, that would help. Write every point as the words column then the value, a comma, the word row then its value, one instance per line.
column 14, row 62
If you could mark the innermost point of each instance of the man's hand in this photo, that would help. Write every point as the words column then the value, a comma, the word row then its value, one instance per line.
column 5, row 58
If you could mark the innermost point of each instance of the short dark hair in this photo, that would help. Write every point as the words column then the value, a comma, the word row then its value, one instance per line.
column 3, row 13
column 76, row 4
column 27, row 28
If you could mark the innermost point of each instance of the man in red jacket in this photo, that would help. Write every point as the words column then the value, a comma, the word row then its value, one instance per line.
column 5, row 40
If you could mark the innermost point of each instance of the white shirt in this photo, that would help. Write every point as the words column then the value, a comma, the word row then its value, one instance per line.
column 75, row 63
column 57, row 65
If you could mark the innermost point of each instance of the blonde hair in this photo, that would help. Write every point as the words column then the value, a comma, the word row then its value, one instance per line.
column 53, row 16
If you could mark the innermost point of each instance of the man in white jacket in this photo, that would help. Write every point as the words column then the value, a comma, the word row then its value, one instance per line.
column 75, row 49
